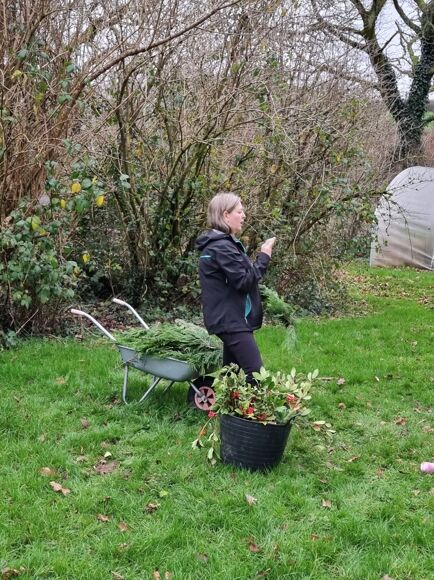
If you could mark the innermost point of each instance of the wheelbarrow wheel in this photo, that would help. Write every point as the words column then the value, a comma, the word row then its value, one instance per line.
column 206, row 400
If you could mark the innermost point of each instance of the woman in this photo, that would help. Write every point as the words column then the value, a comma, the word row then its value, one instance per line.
column 229, row 280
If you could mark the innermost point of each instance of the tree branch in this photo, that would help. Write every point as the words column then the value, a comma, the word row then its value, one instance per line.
column 156, row 44
column 405, row 18
column 335, row 31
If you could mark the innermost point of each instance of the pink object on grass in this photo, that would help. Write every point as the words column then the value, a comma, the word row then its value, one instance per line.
column 427, row 467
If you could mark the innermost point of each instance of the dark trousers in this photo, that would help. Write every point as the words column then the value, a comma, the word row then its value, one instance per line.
column 240, row 348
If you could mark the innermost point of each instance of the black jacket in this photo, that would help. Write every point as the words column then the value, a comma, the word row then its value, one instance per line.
column 229, row 280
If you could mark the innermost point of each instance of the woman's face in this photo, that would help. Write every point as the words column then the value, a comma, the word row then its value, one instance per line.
column 235, row 219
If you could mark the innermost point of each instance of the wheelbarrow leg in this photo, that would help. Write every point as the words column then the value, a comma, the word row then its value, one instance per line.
column 151, row 388
column 168, row 386
column 154, row 383
column 125, row 385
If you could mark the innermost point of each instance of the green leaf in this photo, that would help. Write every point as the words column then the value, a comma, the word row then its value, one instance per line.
column 64, row 98
column 22, row 53
column 35, row 222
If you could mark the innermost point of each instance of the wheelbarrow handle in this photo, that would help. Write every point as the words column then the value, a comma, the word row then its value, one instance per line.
column 136, row 314
column 92, row 319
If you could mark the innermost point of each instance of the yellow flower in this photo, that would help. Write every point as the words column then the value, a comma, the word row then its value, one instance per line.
column 75, row 187
column 85, row 257
column 63, row 203
column 100, row 200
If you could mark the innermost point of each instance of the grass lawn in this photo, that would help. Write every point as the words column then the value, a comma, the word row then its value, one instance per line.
column 144, row 504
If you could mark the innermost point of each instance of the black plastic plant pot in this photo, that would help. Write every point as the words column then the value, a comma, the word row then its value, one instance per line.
column 252, row 445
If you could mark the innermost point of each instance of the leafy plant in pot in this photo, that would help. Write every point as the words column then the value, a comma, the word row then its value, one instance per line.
column 255, row 417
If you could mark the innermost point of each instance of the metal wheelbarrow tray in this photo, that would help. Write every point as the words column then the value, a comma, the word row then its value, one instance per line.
column 200, row 391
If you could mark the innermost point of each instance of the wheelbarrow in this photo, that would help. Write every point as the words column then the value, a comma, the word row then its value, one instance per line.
column 200, row 393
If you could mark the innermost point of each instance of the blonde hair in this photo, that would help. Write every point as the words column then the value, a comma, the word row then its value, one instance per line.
column 220, row 203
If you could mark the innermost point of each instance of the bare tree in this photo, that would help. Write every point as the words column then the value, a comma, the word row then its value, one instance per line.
column 357, row 25
column 234, row 107
column 51, row 53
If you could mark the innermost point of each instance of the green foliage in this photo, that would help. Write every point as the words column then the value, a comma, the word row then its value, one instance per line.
column 182, row 341
column 271, row 398
column 276, row 308
column 35, row 278
column 8, row 339
column 308, row 282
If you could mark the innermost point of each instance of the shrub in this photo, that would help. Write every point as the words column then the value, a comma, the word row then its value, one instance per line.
column 35, row 277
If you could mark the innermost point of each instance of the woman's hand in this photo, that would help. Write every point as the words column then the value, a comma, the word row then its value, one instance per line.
column 267, row 246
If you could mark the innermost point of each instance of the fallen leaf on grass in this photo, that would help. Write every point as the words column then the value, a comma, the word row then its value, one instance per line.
column 80, row 458
column 103, row 467
column 202, row 557
column 250, row 499
column 10, row 572
column 85, row 423
column 42, row 438
column 117, row 576
column 353, row 458
column 415, row 492
column 263, row 574
column 326, row 503
column 152, row 507
column 314, row 537
column 387, row 577
column 122, row 526
column 254, row 548
column 59, row 488
column 102, row 518
column 400, row 421
column 341, row 381
column 342, row 406
column 47, row 471
column 60, row 380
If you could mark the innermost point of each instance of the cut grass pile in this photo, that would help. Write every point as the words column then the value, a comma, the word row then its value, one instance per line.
column 141, row 500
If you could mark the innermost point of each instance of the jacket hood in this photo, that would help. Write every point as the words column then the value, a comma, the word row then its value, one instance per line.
column 209, row 236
